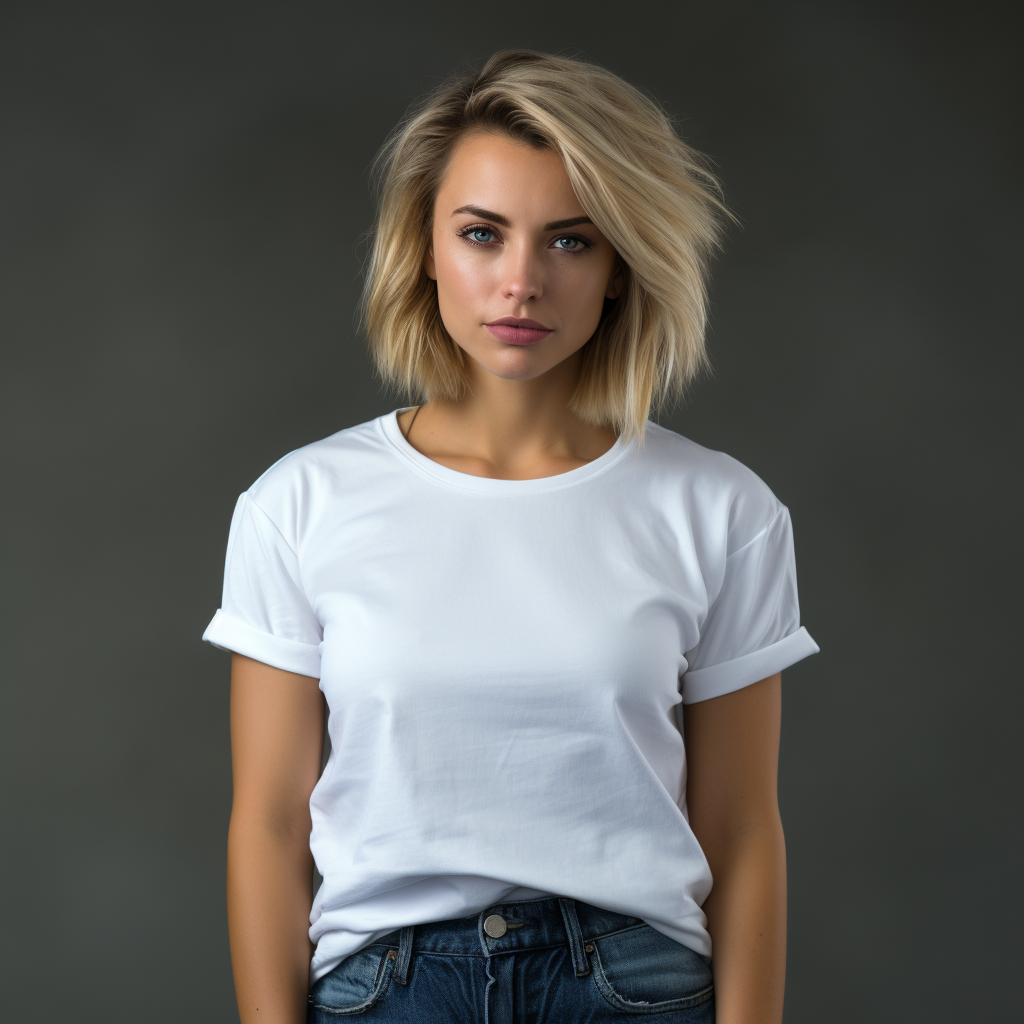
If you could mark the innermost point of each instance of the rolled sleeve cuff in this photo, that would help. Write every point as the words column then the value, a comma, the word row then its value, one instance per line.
column 713, row 681
column 231, row 634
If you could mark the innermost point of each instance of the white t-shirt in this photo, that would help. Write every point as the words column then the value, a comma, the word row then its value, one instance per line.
column 504, row 661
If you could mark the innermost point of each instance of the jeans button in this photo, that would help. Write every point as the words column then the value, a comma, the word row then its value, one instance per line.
column 495, row 926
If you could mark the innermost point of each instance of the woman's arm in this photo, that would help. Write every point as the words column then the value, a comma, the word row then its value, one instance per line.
column 732, row 753
column 277, row 721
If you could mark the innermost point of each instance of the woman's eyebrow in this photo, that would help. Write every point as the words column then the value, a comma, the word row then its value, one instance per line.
column 478, row 211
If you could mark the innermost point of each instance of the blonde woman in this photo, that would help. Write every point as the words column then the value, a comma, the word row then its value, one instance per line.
column 547, row 632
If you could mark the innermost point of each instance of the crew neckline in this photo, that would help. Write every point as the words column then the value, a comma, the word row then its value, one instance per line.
column 388, row 425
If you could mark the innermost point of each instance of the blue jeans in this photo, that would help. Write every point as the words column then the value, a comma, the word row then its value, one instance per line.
column 547, row 961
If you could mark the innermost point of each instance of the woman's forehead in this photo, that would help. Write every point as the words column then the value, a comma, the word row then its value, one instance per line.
column 495, row 173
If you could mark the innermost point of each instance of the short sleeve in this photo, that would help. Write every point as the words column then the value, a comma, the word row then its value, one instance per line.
column 264, row 612
column 752, row 629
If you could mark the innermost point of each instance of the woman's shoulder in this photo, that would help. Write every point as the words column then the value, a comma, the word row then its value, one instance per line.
column 715, row 486
column 298, row 479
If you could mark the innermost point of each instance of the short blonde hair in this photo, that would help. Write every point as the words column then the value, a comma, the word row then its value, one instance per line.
column 651, row 195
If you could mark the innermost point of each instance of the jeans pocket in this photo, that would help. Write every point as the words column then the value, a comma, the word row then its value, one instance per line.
column 357, row 983
column 640, row 970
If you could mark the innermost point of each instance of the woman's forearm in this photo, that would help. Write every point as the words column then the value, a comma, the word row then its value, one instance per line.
column 746, row 914
column 270, row 891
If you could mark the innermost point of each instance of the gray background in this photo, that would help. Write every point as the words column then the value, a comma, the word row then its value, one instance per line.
column 183, row 191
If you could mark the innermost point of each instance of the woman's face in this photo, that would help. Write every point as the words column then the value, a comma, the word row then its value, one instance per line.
column 510, row 240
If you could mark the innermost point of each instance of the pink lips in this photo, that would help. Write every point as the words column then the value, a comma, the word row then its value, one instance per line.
column 518, row 330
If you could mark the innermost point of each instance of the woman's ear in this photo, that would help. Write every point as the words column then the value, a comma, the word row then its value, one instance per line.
column 428, row 264
column 617, row 281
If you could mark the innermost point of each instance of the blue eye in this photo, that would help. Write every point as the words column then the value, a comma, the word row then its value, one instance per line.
column 578, row 244
column 571, row 244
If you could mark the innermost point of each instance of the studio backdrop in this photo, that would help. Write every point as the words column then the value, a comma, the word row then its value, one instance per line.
column 183, row 204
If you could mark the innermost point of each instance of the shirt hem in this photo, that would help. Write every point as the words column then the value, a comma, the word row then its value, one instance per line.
column 715, row 680
column 231, row 634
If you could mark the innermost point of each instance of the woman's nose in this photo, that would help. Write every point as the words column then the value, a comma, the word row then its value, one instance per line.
column 522, row 274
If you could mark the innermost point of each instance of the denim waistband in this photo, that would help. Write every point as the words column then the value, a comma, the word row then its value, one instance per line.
column 508, row 928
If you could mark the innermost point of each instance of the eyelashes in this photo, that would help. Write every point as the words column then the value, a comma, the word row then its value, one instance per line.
column 583, row 243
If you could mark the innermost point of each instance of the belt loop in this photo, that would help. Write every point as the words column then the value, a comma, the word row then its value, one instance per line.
column 580, row 963
column 404, row 955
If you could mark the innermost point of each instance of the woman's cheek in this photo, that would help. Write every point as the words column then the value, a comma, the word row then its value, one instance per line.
column 464, row 276
column 585, row 291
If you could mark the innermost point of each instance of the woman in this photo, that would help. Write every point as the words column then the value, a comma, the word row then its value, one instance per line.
column 503, row 595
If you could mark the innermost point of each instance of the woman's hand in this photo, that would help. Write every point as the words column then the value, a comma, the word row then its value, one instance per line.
column 277, row 729
column 732, row 753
